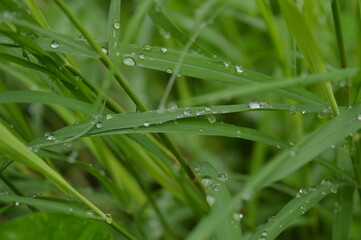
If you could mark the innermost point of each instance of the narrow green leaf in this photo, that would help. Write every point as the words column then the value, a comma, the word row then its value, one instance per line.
column 217, row 195
column 55, row 226
column 49, row 205
column 343, row 213
column 307, row 45
column 306, row 199
column 287, row 162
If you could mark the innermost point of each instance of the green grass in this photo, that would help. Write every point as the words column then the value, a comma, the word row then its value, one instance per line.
column 180, row 120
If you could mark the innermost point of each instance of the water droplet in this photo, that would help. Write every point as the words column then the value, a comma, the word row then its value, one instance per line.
column 217, row 187
column 50, row 137
column 326, row 182
column 239, row 68
column 129, row 61
column 334, row 189
column 201, row 130
column 359, row 117
column 34, row 149
column 237, row 216
column 210, row 200
column 212, row 119
column 99, row 125
column 17, row 204
column 108, row 219
column 163, row 50
column 293, row 110
column 141, row 56
column 208, row 109
column 147, row 47
column 187, row 112
column 303, row 191
column 109, row 116
column 320, row 115
column 222, row 176
column 68, row 144
column 116, row 25
column 169, row 70
column 90, row 213
column 54, row 44
column 264, row 234
column 179, row 75
column 226, row 64
column 197, row 169
column 238, row 133
column 206, row 181
column 304, row 112
column 303, row 209
column 254, row 105
column 104, row 50
column 71, row 210
column 146, row 124
column 199, row 112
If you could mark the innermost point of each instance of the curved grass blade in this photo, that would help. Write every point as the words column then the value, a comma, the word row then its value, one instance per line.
column 194, row 65
column 217, row 195
column 147, row 119
column 49, row 205
column 293, row 209
column 307, row 45
column 47, row 98
column 55, row 226
column 287, row 162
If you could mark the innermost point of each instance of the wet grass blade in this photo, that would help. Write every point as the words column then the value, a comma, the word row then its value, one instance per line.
column 55, row 226
column 217, row 195
column 307, row 45
column 287, row 162
column 294, row 209
column 50, row 205
column 113, row 124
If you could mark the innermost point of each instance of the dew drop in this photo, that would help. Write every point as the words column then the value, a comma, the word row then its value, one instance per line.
column 169, row 70
column 210, row 200
column 90, row 213
column 217, row 187
column 104, row 50
column 254, row 105
column 17, row 204
column 237, row 216
column 141, row 56
column 108, row 219
column 293, row 110
column 129, row 61
column 201, row 130
column 71, row 210
column 187, row 112
column 99, row 125
column 238, row 133
column 109, row 116
column 179, row 75
column 239, row 68
column 264, row 234
column 116, row 25
column 208, row 109
column 359, row 117
column 50, row 137
column 334, row 189
column 147, row 47
column 54, row 44
column 163, row 50
column 206, row 181
column 146, row 124
column 221, row 176
column 212, row 119
column 34, row 149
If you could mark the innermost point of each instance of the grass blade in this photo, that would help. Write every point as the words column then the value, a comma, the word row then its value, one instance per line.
column 307, row 45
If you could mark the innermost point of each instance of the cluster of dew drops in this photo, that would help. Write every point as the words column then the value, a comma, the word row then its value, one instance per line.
column 215, row 185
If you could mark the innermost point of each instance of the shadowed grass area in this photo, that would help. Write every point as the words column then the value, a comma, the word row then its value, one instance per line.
column 180, row 119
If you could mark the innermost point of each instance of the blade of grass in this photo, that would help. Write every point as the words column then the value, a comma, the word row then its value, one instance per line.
column 307, row 45
column 287, row 162
column 293, row 209
column 217, row 196
column 12, row 147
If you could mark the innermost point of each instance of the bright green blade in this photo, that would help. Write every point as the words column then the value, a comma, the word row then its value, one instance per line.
column 55, row 226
